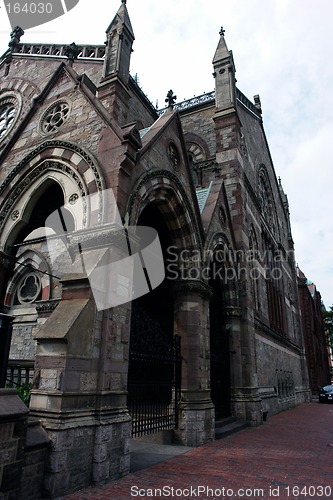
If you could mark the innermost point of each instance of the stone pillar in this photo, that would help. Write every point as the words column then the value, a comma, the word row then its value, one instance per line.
column 79, row 391
column 245, row 398
column 197, row 416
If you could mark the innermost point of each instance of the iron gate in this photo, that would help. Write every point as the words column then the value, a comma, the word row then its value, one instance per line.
column 154, row 376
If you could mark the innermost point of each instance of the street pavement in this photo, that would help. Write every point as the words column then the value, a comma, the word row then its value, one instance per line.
column 290, row 456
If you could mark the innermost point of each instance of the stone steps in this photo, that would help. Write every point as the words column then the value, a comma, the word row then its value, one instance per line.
column 227, row 426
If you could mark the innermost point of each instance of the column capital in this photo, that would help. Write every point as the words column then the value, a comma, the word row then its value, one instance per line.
column 193, row 286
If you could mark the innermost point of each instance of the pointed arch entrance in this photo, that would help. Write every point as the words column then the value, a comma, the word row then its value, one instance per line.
column 56, row 175
column 219, row 351
column 153, row 374
column 222, row 281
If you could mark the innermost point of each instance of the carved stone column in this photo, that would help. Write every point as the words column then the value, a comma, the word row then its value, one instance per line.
column 197, row 417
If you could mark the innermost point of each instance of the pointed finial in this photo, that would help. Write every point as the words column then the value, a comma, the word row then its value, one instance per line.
column 222, row 31
column 15, row 38
column 71, row 52
column 170, row 99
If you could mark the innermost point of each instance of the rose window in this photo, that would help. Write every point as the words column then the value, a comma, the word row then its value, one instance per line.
column 54, row 117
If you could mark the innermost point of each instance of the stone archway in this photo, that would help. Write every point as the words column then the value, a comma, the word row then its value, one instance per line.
column 154, row 354
column 161, row 201
column 55, row 175
column 223, row 284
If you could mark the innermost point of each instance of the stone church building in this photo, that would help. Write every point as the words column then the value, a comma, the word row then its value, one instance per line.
column 220, row 336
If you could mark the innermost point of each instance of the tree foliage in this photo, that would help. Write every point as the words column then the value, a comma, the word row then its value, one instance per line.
column 328, row 320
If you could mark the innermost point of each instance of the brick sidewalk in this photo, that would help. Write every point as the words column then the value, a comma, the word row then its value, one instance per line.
column 293, row 449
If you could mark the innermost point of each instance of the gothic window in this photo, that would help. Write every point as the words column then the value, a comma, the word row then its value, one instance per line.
column 28, row 289
column 254, row 267
column 266, row 200
column 54, row 117
column 31, row 280
column 8, row 115
column 274, row 286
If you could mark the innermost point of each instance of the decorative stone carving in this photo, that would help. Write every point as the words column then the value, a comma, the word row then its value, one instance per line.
column 15, row 215
column 34, row 174
column 55, row 144
column 173, row 155
column 46, row 306
column 73, row 199
column 222, row 215
column 29, row 288
column 54, row 117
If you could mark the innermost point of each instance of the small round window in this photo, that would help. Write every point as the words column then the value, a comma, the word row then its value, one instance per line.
column 54, row 117
column 29, row 289
column 8, row 113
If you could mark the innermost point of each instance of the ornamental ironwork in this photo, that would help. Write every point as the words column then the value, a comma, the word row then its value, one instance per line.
column 154, row 380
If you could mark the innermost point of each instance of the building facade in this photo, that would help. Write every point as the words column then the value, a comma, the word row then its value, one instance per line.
column 316, row 343
column 221, row 335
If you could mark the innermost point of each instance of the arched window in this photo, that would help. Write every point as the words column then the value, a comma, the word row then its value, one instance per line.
column 254, row 267
column 29, row 289
column 266, row 200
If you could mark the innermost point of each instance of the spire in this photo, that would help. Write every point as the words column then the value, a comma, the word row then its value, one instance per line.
column 222, row 51
column 119, row 43
column 224, row 74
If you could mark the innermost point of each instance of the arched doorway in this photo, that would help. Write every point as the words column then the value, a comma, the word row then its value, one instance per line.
column 33, row 281
column 154, row 362
column 220, row 379
column 47, row 200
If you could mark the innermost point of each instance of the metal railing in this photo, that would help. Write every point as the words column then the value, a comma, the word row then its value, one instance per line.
column 154, row 379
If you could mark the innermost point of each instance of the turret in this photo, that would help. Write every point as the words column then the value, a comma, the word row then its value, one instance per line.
column 119, row 43
column 224, row 74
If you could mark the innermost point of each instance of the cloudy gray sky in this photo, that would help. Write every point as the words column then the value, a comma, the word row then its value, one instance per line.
column 282, row 50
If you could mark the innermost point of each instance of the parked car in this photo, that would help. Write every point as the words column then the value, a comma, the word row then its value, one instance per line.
column 326, row 394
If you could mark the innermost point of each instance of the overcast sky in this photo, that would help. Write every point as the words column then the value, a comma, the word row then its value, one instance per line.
column 283, row 51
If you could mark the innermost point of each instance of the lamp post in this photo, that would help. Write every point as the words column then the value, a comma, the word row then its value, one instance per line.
column 6, row 322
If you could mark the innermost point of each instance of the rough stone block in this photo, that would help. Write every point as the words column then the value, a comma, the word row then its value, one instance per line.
column 57, row 461
column 100, row 471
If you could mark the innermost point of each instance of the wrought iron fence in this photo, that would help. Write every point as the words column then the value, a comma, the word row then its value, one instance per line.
column 154, row 377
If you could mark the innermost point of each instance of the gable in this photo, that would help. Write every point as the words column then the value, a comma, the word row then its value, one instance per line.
column 65, row 110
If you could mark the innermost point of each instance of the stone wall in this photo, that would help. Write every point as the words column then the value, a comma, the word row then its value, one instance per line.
column 23, row 448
